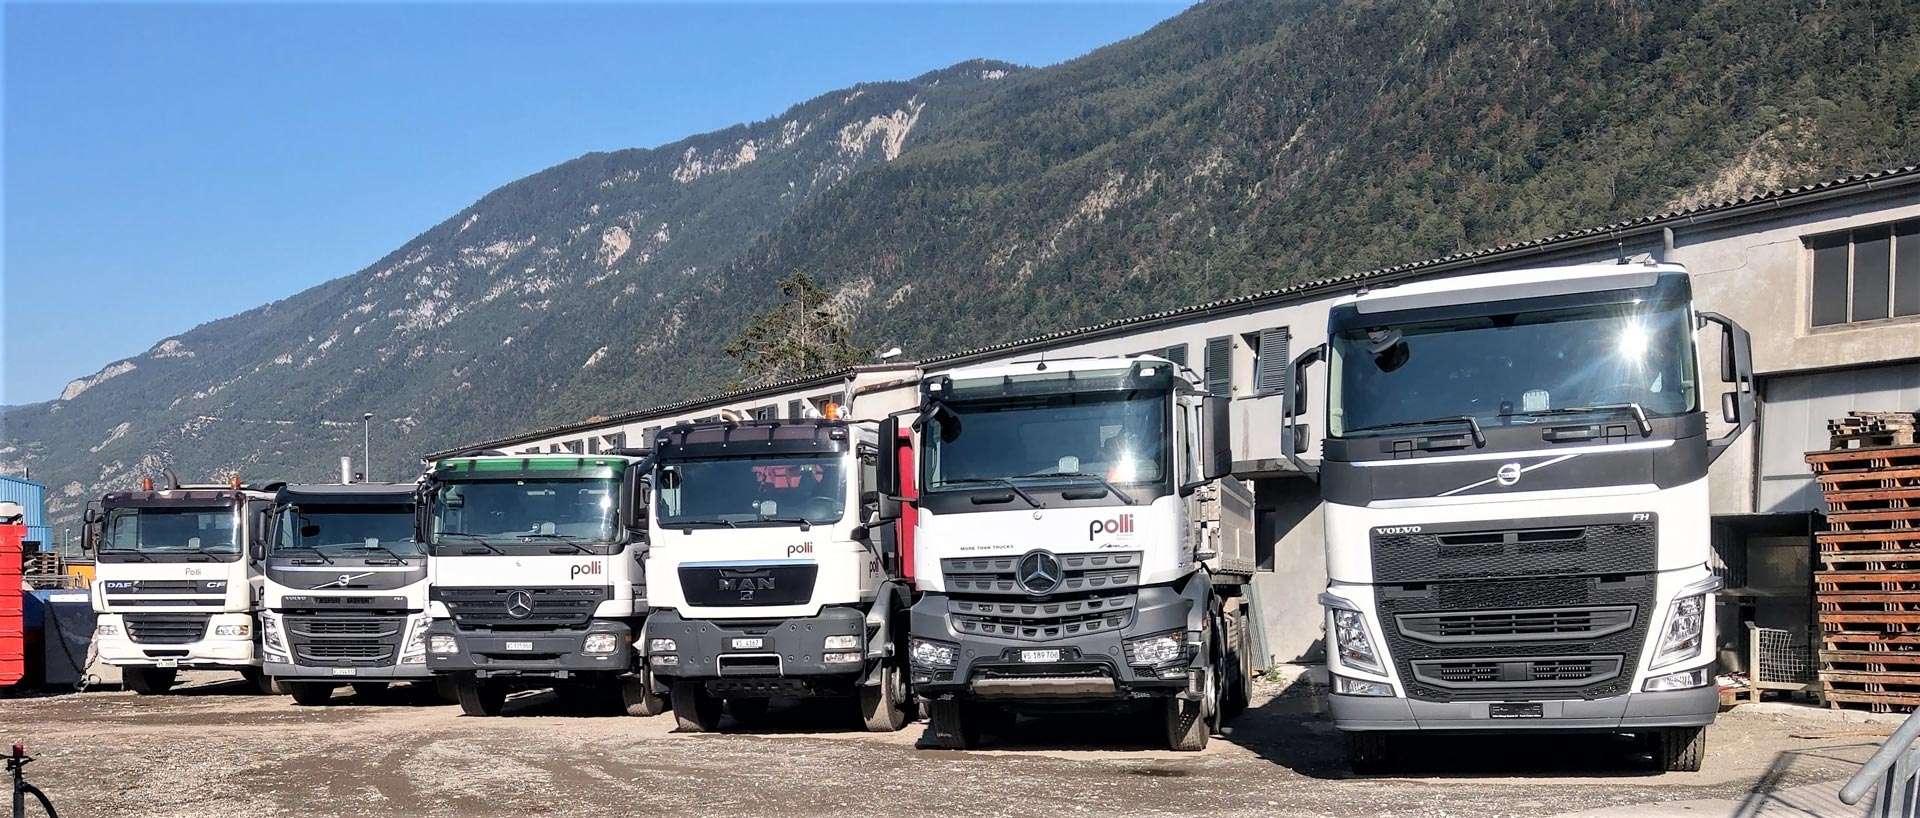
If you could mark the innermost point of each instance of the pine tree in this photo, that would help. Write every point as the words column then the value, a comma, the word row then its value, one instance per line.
column 804, row 334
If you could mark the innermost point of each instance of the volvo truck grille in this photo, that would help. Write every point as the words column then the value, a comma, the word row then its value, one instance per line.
column 1515, row 639
column 166, row 629
column 1618, row 544
column 1079, row 574
column 519, row 608
column 740, row 585
column 345, row 638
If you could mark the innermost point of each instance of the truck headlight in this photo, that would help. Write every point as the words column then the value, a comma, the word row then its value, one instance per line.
column 441, row 644
column 842, row 643
column 415, row 653
column 664, row 660
column 1356, row 648
column 931, row 654
column 271, row 642
column 1156, row 650
column 1684, row 680
column 841, row 658
column 599, row 644
column 1346, row 686
column 233, row 631
column 1686, row 621
column 106, row 629
column 662, row 646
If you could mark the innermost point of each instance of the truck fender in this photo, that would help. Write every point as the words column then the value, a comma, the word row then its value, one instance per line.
column 1199, row 594
column 890, row 602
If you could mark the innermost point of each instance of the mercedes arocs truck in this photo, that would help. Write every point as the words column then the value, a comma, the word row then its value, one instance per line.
column 346, row 590
column 175, row 583
column 536, row 576
column 1514, row 473
column 1079, row 544
column 776, row 572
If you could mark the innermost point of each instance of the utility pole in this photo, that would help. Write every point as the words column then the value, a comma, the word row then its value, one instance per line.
column 366, row 447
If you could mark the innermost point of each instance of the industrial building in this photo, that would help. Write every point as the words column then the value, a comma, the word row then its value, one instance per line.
column 1825, row 276
column 32, row 497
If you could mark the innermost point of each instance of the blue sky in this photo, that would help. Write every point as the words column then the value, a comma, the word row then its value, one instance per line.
column 166, row 165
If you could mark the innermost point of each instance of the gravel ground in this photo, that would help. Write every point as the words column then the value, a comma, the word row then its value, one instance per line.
column 208, row 749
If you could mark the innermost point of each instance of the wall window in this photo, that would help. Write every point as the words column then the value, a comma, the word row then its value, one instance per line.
column 1220, row 366
column 1866, row 274
column 762, row 412
column 1272, row 351
column 793, row 409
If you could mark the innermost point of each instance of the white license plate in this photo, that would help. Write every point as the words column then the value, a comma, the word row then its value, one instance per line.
column 748, row 644
column 345, row 671
column 1040, row 655
column 519, row 646
column 166, row 662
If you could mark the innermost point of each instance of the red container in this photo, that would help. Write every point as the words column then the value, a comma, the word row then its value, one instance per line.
column 13, row 665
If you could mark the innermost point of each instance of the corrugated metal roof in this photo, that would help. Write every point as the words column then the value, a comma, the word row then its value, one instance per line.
column 1770, row 200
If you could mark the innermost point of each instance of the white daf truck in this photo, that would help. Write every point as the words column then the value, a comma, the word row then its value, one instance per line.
column 346, row 590
column 775, row 572
column 537, row 581
column 1515, row 482
column 175, row 583
column 1079, row 544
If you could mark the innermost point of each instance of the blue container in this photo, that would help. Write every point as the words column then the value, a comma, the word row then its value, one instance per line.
column 32, row 497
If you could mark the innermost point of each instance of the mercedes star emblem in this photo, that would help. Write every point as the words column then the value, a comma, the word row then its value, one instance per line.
column 520, row 604
column 1039, row 572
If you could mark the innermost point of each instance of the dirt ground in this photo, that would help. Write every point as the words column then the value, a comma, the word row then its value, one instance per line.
column 209, row 749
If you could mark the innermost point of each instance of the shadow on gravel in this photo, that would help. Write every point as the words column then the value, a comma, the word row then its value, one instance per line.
column 1773, row 793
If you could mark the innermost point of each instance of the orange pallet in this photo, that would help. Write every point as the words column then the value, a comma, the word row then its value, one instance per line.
column 1903, row 519
column 1840, row 461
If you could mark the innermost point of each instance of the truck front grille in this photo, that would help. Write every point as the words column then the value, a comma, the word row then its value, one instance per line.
column 505, row 609
column 1507, row 673
column 167, row 628
column 1557, row 547
column 1041, row 621
column 1516, row 625
column 346, row 638
column 1081, row 573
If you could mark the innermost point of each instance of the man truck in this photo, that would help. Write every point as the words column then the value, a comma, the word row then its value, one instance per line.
column 346, row 590
column 776, row 572
column 1514, row 473
column 176, row 586
column 535, row 564
column 1079, row 544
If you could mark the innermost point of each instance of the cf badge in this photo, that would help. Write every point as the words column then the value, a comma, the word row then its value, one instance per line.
column 1038, row 572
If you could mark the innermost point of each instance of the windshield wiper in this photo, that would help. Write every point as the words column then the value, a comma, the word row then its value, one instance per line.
column 395, row 554
column 1473, row 425
column 316, row 551
column 1639, row 414
column 478, row 538
column 804, row 523
column 1124, row 497
column 992, row 481
column 559, row 538
column 132, row 552
column 703, row 523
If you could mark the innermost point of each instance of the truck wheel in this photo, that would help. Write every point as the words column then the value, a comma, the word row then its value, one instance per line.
column 1370, row 752
column 369, row 689
column 1238, row 691
column 480, row 698
column 694, row 709
column 637, row 697
column 148, row 681
column 749, row 711
column 310, row 694
column 884, row 706
column 259, row 682
column 1187, row 727
column 1680, row 749
column 952, row 725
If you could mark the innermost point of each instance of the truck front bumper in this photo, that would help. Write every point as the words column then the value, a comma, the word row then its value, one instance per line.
column 1679, row 708
column 787, row 658
column 552, row 654
column 311, row 673
column 206, row 653
column 1093, row 666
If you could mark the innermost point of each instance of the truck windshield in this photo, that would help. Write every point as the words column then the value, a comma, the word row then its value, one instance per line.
column 751, row 491
column 171, row 530
column 1513, row 367
column 378, row 530
column 530, row 510
column 1116, row 437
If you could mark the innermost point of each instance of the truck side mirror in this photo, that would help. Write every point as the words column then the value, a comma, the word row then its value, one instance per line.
column 90, row 520
column 1217, row 437
column 1738, row 405
column 639, row 492
column 1730, row 407
column 422, row 513
column 1294, row 436
column 886, row 467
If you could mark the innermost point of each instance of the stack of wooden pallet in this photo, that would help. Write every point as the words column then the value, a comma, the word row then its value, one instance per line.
column 1864, row 429
column 1868, row 579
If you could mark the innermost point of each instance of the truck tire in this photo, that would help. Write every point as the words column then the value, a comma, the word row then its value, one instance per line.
column 953, row 725
column 1238, row 691
column 1680, row 749
column 636, row 697
column 259, row 683
column 369, row 690
column 883, row 707
column 148, row 681
column 694, row 709
column 1370, row 752
column 309, row 694
column 1187, row 727
column 479, row 697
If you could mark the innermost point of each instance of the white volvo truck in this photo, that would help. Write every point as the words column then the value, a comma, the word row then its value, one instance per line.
column 1080, row 545
column 1515, row 482
column 346, row 590
column 775, row 572
column 175, row 583
column 536, row 576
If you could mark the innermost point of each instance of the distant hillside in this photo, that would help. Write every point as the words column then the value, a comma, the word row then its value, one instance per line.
column 1237, row 146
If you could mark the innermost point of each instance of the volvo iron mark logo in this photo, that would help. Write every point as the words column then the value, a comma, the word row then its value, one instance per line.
column 1039, row 572
column 1508, row 474
column 520, row 604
